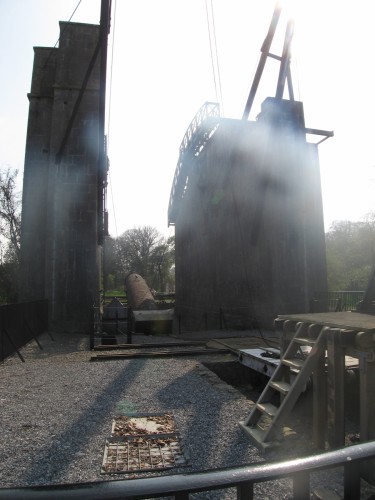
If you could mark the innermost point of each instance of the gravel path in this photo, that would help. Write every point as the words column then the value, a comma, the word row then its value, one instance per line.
column 57, row 410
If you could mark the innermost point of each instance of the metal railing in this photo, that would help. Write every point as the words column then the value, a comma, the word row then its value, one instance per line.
column 340, row 300
column 180, row 486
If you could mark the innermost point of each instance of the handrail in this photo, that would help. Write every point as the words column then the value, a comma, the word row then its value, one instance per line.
column 196, row 136
column 181, row 485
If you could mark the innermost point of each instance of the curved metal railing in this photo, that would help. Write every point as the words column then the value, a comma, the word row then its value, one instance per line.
column 243, row 478
column 201, row 128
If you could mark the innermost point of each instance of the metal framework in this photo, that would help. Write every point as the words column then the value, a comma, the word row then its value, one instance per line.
column 201, row 128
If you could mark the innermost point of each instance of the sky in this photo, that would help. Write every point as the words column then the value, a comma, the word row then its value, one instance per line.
column 160, row 72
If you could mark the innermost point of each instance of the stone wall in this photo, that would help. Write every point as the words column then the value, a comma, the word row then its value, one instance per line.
column 60, row 256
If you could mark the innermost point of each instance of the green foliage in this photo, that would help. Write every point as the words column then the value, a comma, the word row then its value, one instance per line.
column 350, row 253
column 142, row 250
column 111, row 292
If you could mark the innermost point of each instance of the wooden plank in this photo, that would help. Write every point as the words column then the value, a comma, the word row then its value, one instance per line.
column 114, row 347
column 367, row 408
column 155, row 354
column 320, row 403
column 344, row 320
column 336, row 385
column 289, row 330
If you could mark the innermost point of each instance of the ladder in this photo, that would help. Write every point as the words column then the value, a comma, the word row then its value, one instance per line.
column 264, row 423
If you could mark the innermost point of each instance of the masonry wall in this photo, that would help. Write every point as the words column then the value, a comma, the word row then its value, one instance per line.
column 249, row 230
column 60, row 256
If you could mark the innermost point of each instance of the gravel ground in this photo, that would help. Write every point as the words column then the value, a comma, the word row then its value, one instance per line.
column 57, row 410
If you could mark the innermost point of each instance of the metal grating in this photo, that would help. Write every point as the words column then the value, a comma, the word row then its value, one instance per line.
column 142, row 443
column 142, row 454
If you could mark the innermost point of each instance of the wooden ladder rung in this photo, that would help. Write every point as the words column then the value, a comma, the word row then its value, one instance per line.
column 304, row 341
column 257, row 437
column 267, row 408
column 293, row 363
column 280, row 386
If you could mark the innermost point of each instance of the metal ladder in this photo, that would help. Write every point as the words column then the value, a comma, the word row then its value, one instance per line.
column 263, row 425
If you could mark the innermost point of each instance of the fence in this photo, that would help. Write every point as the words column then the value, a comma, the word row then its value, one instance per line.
column 337, row 301
column 243, row 479
column 20, row 323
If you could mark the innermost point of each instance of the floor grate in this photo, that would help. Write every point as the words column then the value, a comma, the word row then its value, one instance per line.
column 142, row 443
column 142, row 454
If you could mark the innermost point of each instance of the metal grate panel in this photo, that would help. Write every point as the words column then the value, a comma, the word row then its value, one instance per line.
column 142, row 453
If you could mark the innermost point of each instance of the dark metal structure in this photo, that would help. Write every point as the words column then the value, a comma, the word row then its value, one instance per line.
column 247, row 208
column 200, row 130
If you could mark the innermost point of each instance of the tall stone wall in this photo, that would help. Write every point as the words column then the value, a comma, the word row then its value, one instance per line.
column 60, row 255
column 249, row 230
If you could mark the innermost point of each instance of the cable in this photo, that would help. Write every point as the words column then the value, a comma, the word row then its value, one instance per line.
column 218, row 99
column 109, row 114
column 111, row 73
column 61, row 34
column 217, row 59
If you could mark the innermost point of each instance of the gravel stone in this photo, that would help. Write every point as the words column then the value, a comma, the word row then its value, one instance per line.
column 57, row 410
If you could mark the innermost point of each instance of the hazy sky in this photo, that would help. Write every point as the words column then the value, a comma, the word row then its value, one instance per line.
column 161, row 73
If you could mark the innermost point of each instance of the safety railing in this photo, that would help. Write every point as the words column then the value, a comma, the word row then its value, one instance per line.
column 338, row 300
column 197, row 134
column 180, row 486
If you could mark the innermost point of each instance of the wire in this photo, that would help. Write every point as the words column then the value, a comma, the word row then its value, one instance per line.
column 214, row 70
column 111, row 73
column 61, row 34
column 217, row 59
column 109, row 114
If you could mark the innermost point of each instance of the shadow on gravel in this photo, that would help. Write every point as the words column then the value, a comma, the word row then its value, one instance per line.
column 206, row 437
column 50, row 463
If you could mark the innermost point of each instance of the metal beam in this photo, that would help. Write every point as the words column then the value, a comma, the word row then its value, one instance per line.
column 262, row 61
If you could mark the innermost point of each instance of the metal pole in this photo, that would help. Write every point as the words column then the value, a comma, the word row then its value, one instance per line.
column 285, row 60
column 129, row 326
column 103, row 43
column 262, row 61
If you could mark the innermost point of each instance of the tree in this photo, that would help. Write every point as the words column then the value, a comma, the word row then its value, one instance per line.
column 161, row 262
column 142, row 250
column 10, row 217
column 10, row 226
column 350, row 253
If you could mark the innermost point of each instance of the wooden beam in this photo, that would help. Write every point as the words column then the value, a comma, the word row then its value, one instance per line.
column 336, row 384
